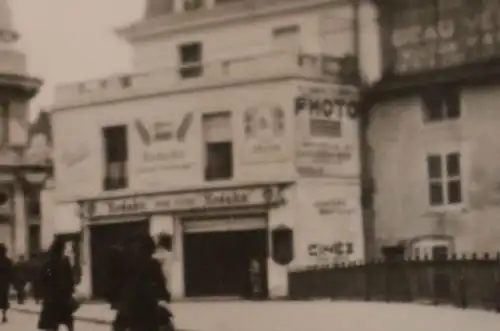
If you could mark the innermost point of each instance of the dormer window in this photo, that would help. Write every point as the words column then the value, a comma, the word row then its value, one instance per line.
column 190, row 5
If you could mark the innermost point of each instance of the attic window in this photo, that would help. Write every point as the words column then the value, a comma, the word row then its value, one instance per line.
column 193, row 4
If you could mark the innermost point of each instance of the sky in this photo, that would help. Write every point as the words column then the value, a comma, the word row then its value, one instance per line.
column 72, row 40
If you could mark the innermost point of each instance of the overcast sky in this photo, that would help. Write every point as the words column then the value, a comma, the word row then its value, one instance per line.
column 68, row 40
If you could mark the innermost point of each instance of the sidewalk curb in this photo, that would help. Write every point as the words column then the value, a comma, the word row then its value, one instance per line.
column 93, row 320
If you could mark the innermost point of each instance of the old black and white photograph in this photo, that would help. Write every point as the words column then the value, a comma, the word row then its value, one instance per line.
column 249, row 165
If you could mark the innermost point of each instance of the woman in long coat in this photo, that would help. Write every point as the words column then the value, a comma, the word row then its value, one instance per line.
column 6, row 275
column 58, row 288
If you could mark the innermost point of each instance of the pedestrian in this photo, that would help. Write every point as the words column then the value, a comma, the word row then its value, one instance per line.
column 118, row 269
column 6, row 275
column 145, row 296
column 255, row 279
column 58, row 287
column 20, row 279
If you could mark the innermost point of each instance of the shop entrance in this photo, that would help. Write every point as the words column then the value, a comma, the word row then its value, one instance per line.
column 217, row 256
column 102, row 238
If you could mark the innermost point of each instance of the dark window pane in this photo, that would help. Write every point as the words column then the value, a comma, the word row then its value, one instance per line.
column 452, row 103
column 453, row 164
column 434, row 168
column 115, row 143
column 436, row 194
column 190, row 53
column 454, row 191
column 219, row 161
column 433, row 105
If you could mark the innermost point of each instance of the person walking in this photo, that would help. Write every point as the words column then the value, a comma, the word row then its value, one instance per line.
column 6, row 275
column 21, row 274
column 58, row 286
column 145, row 297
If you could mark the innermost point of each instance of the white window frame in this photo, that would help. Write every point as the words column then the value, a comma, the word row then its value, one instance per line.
column 445, row 179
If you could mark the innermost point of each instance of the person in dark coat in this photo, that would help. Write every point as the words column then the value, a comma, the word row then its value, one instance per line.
column 21, row 278
column 58, row 287
column 6, row 275
column 145, row 297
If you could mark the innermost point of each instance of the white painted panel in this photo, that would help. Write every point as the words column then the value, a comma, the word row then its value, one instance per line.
column 227, row 224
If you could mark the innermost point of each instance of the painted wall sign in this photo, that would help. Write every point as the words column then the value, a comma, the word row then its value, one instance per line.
column 162, row 144
column 326, row 134
column 336, row 248
column 264, row 134
column 334, row 207
column 240, row 197
column 75, row 156
column 419, row 38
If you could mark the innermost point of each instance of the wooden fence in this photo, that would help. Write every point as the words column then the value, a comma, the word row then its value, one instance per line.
column 472, row 281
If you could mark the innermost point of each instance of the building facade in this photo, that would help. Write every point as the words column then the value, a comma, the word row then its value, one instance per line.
column 432, row 130
column 20, row 179
column 237, row 138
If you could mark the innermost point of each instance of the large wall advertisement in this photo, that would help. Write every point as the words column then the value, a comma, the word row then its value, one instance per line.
column 326, row 129
column 424, row 35
column 166, row 147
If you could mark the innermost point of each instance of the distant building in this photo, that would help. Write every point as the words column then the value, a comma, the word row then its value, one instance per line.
column 238, row 131
column 19, row 179
column 432, row 131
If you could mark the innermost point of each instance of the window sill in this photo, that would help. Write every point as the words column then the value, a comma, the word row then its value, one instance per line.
column 453, row 208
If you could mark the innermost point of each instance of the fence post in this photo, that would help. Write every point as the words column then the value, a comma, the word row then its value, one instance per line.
column 462, row 285
column 367, row 269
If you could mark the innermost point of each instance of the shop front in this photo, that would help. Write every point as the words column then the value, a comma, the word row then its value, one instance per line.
column 216, row 234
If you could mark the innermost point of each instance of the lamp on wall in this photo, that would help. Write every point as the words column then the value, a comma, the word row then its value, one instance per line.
column 282, row 245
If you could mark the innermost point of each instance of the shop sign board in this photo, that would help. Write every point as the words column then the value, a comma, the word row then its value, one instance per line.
column 178, row 202
column 421, row 38
column 327, row 143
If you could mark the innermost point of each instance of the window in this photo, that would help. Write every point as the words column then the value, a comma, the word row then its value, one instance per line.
column 218, row 146
column 34, row 240
column 191, row 60
column 116, row 157
column 193, row 4
column 287, row 37
column 445, row 185
column 441, row 104
column 33, row 202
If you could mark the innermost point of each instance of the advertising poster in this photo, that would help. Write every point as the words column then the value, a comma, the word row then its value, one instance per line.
column 163, row 148
column 264, row 134
column 327, row 142
column 333, row 232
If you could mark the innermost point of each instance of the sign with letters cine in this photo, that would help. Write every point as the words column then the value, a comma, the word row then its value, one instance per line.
column 190, row 201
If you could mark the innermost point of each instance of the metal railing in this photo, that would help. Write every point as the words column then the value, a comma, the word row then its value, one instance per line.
column 467, row 281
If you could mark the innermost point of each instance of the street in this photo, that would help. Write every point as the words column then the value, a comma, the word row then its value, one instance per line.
column 27, row 322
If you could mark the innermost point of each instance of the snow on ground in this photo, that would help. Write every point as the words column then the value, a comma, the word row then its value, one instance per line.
column 329, row 316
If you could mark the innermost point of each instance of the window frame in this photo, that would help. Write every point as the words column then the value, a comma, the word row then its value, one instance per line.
column 190, row 69
column 445, row 179
column 448, row 104
column 111, row 182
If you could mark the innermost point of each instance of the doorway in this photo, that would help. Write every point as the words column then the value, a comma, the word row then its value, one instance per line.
column 218, row 263
column 102, row 238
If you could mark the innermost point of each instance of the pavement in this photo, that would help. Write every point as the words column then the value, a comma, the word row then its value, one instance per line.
column 28, row 322
column 310, row 315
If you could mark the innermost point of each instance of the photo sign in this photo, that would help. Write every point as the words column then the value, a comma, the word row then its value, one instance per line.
column 162, row 144
column 420, row 38
column 189, row 201
column 326, row 132
column 264, row 134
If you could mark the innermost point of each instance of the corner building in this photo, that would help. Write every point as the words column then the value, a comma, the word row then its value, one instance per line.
column 237, row 138
column 432, row 130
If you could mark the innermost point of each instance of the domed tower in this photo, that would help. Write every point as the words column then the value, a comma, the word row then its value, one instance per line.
column 17, row 88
